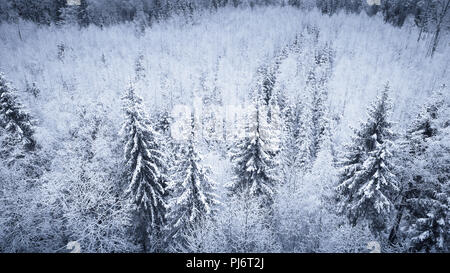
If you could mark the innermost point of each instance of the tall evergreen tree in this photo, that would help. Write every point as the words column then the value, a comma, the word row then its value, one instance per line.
column 305, row 139
column 254, row 155
column 139, row 68
column 144, row 161
column 328, row 6
column 442, row 22
column 318, row 86
column 315, row 111
column 82, row 15
column 318, row 110
column 289, row 153
column 15, row 122
column 426, row 196
column 268, row 74
column 194, row 199
column 366, row 183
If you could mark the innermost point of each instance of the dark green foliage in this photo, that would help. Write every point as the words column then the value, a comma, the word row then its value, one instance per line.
column 15, row 123
column 366, row 183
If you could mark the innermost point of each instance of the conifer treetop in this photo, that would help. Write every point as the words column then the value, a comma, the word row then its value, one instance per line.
column 14, row 118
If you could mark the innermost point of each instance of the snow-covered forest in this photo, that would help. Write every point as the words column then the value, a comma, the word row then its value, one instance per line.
column 224, row 125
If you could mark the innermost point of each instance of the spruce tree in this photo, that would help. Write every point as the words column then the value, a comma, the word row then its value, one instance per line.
column 69, row 14
column 318, row 95
column 317, row 89
column 83, row 15
column 15, row 122
column 366, row 182
column 305, row 139
column 426, row 196
column 268, row 74
column 193, row 193
column 139, row 68
column 144, row 162
column 289, row 153
column 254, row 155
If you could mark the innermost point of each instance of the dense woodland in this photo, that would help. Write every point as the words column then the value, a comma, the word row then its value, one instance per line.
column 224, row 126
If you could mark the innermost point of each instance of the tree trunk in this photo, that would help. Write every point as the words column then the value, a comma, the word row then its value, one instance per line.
column 438, row 28
column 420, row 34
column 142, row 229
column 144, row 239
column 398, row 219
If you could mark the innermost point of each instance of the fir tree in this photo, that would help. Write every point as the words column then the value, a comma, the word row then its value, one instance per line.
column 268, row 81
column 254, row 155
column 366, row 182
column 139, row 68
column 32, row 89
column 426, row 196
column 69, row 14
column 305, row 139
column 83, row 16
column 194, row 199
column 269, row 73
column 163, row 122
column 145, row 162
column 289, row 155
column 324, row 172
column 298, row 136
column 318, row 110
column 317, row 89
column 15, row 122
